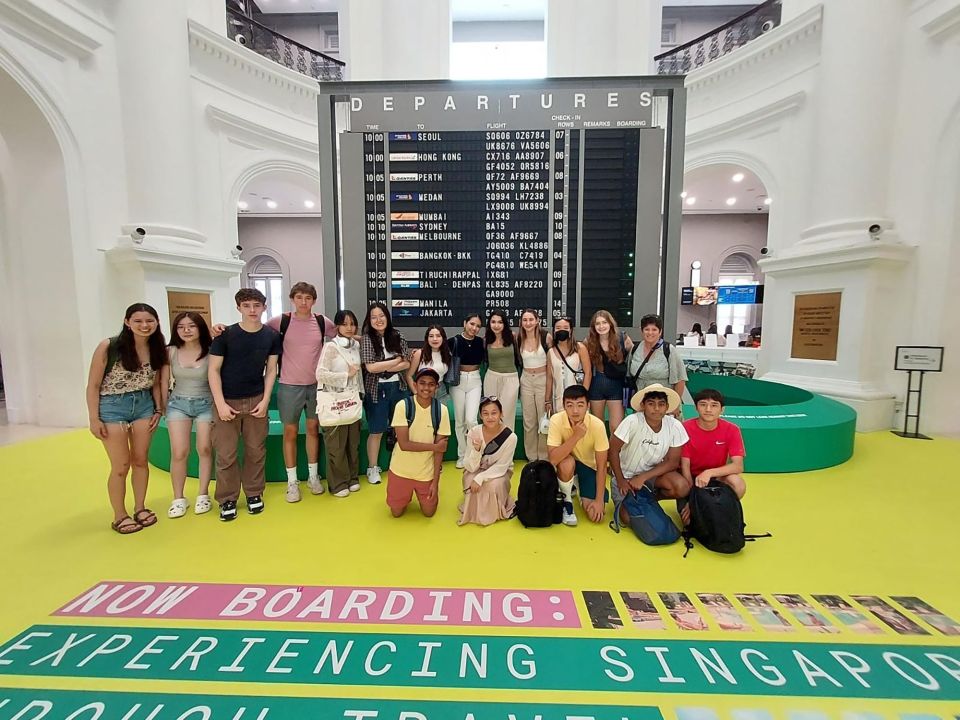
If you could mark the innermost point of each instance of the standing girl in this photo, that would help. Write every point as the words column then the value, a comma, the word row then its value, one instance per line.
column 609, row 350
column 124, row 404
column 434, row 354
column 339, row 369
column 569, row 363
column 502, row 380
column 467, row 348
column 189, row 401
column 384, row 354
column 536, row 378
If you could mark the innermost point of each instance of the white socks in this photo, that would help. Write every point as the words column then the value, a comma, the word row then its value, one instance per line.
column 292, row 476
column 567, row 489
column 313, row 471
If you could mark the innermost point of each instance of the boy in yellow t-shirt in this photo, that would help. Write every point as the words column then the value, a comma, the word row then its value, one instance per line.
column 577, row 445
column 418, row 456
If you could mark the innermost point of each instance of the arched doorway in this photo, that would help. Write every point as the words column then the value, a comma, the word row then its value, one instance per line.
column 723, row 235
column 279, row 233
column 40, row 342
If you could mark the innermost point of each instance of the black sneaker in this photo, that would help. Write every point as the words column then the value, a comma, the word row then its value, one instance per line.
column 228, row 510
column 255, row 504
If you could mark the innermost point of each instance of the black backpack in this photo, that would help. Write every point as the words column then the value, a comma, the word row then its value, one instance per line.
column 539, row 500
column 716, row 519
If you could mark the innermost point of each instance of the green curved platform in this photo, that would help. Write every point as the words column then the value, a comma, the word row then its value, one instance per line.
column 785, row 429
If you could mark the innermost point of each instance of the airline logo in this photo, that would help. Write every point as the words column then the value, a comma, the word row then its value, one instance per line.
column 406, row 313
column 405, row 255
column 403, row 226
column 404, row 216
column 405, row 303
column 401, row 136
column 405, row 284
column 404, row 236
column 404, row 177
column 403, row 157
column 406, row 274
column 400, row 197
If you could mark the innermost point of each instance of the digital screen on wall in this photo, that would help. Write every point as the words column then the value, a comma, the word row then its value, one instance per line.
column 705, row 295
column 549, row 196
column 686, row 296
column 740, row 294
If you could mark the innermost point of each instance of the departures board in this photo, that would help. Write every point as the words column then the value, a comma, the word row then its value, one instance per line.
column 452, row 198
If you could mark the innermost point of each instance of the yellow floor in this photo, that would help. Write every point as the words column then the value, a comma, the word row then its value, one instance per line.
column 882, row 524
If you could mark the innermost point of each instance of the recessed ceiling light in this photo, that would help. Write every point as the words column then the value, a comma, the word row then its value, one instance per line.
column 308, row 203
column 691, row 200
column 738, row 177
column 683, row 194
column 767, row 201
column 272, row 204
column 242, row 204
column 731, row 201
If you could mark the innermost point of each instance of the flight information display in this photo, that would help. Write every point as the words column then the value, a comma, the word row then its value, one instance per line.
column 554, row 201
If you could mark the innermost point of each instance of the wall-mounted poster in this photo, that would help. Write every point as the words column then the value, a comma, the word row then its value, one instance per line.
column 816, row 326
column 179, row 301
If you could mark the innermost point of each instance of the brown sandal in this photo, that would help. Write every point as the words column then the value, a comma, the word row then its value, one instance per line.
column 150, row 519
column 126, row 528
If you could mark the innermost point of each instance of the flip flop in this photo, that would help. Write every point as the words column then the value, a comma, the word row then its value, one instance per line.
column 126, row 528
column 149, row 519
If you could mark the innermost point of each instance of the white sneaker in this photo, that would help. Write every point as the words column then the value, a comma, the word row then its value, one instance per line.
column 342, row 493
column 315, row 485
column 373, row 475
column 293, row 492
column 355, row 487
column 459, row 463
column 569, row 517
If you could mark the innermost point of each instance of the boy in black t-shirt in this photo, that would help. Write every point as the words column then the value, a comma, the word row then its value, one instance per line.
column 241, row 392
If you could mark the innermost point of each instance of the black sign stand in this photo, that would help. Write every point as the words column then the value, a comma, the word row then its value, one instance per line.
column 907, row 415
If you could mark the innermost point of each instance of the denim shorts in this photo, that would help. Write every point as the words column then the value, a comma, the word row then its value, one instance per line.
column 380, row 413
column 604, row 388
column 126, row 408
column 189, row 408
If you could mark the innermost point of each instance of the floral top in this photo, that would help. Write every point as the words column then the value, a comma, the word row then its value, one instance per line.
column 120, row 380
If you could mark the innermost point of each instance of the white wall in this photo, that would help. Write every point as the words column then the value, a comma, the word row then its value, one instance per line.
column 710, row 239
column 297, row 241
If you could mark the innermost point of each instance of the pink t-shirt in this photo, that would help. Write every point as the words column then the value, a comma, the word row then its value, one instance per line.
column 301, row 348
column 709, row 449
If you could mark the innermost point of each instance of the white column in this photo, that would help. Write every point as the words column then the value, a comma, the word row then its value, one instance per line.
column 587, row 38
column 856, row 97
column 154, row 69
column 389, row 40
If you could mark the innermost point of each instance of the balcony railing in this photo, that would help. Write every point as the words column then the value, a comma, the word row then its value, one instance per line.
column 720, row 41
column 282, row 49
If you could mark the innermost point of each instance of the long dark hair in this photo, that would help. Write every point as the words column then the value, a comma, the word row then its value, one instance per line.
column 506, row 335
column 126, row 344
column 202, row 330
column 574, row 343
column 391, row 338
column 426, row 352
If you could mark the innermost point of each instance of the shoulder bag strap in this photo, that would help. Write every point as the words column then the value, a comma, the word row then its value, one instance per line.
column 564, row 359
column 644, row 364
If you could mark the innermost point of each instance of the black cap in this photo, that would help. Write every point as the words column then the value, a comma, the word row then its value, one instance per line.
column 427, row 371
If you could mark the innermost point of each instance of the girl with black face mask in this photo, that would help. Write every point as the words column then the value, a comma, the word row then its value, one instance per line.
column 569, row 363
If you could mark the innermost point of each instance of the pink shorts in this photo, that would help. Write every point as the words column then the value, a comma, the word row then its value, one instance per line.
column 400, row 492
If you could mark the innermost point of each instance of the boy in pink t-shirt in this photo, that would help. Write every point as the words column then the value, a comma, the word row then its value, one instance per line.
column 715, row 450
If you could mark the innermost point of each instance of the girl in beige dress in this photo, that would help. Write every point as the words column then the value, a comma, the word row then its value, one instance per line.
column 488, row 468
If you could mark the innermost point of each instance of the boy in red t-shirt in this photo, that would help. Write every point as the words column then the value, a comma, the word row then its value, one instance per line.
column 715, row 450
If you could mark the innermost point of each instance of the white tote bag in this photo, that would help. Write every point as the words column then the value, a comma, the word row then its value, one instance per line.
column 338, row 407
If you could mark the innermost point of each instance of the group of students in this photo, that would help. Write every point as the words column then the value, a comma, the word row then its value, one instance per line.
column 220, row 380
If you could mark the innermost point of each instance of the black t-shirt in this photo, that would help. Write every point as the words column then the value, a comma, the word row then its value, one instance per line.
column 470, row 352
column 244, row 359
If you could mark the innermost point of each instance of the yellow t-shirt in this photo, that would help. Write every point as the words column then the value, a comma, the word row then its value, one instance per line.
column 417, row 465
column 586, row 450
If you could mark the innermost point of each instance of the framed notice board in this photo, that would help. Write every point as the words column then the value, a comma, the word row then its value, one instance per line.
column 179, row 301
column 816, row 326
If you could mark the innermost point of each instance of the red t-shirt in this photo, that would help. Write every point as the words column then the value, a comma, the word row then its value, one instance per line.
column 709, row 449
